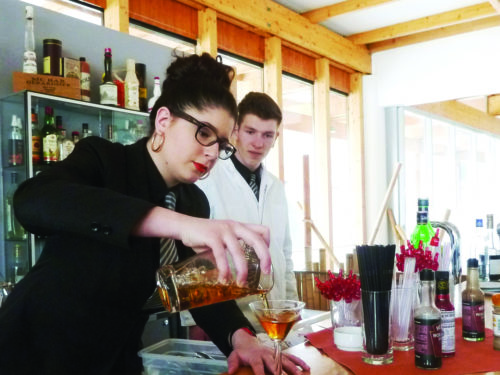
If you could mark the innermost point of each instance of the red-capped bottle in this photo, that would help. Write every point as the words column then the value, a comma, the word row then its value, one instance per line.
column 447, row 309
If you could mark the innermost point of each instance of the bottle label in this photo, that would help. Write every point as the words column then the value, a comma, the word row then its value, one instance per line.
column 29, row 63
column 109, row 94
column 143, row 92
column 36, row 149
column 67, row 148
column 132, row 95
column 85, row 86
column 496, row 325
column 428, row 337
column 46, row 65
column 448, row 329
column 473, row 318
column 50, row 148
column 16, row 152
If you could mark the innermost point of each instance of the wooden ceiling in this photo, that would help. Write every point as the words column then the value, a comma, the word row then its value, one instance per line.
column 366, row 15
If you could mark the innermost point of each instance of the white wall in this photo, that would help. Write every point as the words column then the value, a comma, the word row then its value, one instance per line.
column 444, row 69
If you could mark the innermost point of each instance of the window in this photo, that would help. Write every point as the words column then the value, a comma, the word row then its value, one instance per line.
column 342, row 198
column 249, row 77
column 456, row 167
column 72, row 9
column 297, row 142
column 161, row 38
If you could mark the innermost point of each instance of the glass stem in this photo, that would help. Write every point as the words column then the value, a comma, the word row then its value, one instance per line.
column 277, row 357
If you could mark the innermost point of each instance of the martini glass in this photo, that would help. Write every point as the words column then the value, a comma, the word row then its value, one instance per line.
column 277, row 317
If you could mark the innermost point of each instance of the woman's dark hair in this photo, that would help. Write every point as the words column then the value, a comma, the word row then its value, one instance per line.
column 196, row 81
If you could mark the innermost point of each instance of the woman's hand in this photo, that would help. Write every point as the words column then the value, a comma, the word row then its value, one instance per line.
column 224, row 235
column 249, row 352
column 220, row 236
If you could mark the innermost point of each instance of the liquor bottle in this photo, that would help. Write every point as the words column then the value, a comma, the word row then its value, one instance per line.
column 29, row 58
column 481, row 249
column 131, row 87
column 75, row 136
column 18, row 269
column 156, row 94
column 124, row 135
column 423, row 205
column 110, row 134
column 427, row 325
column 140, row 130
column 65, row 145
column 472, row 305
column 108, row 89
column 36, row 140
column 140, row 72
column 60, row 133
column 13, row 230
column 493, row 263
column 15, row 142
column 422, row 232
column 447, row 309
column 84, row 80
column 49, row 137
column 85, row 130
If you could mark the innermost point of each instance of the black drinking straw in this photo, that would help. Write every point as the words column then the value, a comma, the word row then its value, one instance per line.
column 376, row 266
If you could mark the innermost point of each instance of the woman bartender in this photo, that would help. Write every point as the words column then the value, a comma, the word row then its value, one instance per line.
column 80, row 309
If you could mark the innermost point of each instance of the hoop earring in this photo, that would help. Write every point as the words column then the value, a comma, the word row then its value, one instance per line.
column 153, row 141
column 202, row 177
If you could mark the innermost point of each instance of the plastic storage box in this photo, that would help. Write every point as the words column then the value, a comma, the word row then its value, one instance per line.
column 183, row 357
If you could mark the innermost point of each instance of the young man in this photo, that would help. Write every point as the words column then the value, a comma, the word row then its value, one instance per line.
column 242, row 189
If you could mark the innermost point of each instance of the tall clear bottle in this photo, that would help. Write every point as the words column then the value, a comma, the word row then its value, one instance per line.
column 447, row 309
column 481, row 250
column 493, row 263
column 108, row 89
column 427, row 325
column 13, row 230
column 19, row 267
column 29, row 58
column 131, row 87
column 472, row 305
column 156, row 94
column 16, row 142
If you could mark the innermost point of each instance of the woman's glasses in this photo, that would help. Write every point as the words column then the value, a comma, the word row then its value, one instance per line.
column 206, row 135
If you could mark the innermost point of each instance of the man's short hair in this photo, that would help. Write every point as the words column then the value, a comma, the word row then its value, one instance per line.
column 260, row 105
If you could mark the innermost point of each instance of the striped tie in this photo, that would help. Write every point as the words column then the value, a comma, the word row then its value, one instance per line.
column 253, row 184
column 168, row 251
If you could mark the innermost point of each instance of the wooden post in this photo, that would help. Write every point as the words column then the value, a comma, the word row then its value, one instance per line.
column 207, row 31
column 307, row 215
column 116, row 15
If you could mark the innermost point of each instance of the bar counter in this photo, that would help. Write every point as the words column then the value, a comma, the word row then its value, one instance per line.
column 321, row 364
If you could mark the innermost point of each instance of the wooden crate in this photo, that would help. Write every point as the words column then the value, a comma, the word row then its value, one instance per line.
column 52, row 85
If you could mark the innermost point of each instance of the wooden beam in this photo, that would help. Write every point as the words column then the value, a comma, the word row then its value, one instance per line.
column 493, row 105
column 322, row 188
column 357, row 156
column 116, row 15
column 320, row 14
column 443, row 32
column 273, row 66
column 495, row 4
column 461, row 15
column 463, row 114
column 284, row 23
column 207, row 32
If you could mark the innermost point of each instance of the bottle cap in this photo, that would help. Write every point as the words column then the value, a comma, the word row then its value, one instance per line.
column 442, row 275
column 131, row 64
column 29, row 12
column 472, row 263
column 479, row 223
column 423, row 202
column 82, row 58
column 426, row 275
column 107, row 50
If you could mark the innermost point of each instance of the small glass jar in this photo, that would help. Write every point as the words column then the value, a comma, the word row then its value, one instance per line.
column 52, row 51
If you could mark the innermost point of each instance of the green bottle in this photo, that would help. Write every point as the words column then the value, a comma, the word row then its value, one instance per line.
column 423, row 231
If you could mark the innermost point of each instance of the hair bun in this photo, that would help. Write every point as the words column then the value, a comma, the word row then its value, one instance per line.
column 199, row 69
